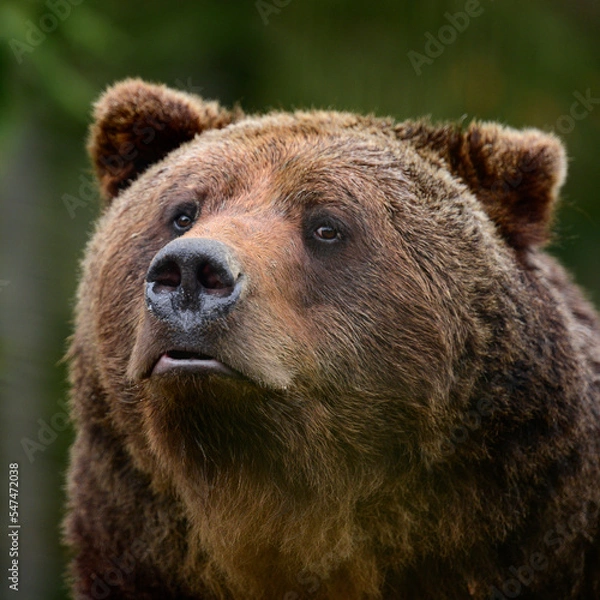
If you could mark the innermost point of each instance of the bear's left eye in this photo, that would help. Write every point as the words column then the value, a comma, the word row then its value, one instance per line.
column 327, row 233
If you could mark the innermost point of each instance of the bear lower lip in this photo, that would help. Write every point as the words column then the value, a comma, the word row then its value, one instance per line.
column 191, row 362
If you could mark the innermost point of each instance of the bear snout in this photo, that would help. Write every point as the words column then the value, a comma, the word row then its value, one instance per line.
column 192, row 282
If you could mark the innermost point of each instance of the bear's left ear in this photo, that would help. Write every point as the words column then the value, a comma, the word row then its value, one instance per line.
column 137, row 124
column 516, row 175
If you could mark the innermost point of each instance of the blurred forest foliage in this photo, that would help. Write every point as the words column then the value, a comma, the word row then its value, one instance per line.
column 521, row 63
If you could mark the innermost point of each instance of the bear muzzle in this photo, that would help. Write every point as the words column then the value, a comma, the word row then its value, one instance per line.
column 191, row 285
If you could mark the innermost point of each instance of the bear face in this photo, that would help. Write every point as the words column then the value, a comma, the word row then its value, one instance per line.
column 281, row 323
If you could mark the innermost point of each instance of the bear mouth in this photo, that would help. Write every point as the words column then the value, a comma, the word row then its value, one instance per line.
column 187, row 361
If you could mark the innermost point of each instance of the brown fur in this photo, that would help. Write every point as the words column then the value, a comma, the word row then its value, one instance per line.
column 334, row 469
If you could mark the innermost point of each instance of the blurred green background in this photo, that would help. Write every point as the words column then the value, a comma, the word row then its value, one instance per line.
column 521, row 63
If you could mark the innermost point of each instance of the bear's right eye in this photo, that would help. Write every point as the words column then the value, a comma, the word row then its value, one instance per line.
column 182, row 222
column 183, row 217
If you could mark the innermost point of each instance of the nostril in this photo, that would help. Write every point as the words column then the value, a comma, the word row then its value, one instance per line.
column 167, row 277
column 214, row 280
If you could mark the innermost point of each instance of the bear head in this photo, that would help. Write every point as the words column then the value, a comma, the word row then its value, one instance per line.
column 285, row 312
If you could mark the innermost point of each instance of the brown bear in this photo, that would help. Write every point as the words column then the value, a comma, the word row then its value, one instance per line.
column 320, row 355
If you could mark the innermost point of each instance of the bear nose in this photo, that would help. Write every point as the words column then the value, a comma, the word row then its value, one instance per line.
column 192, row 281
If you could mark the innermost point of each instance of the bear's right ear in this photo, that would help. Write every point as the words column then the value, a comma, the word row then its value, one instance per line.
column 136, row 124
